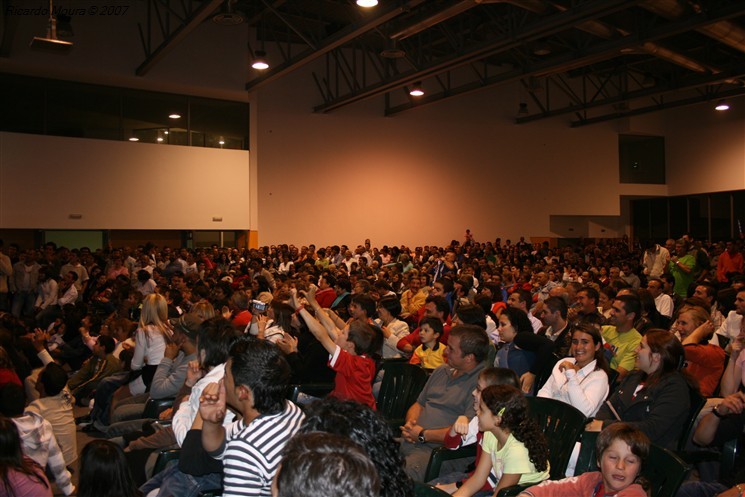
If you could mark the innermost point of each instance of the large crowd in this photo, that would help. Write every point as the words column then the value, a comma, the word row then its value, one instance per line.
column 630, row 335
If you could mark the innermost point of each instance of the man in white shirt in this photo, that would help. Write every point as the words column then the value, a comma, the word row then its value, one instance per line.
column 732, row 326
column 654, row 260
column 662, row 301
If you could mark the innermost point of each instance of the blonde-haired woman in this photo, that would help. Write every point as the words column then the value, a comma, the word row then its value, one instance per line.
column 704, row 361
column 151, row 337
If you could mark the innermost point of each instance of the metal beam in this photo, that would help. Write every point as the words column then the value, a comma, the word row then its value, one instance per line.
column 539, row 29
column 662, row 106
column 601, row 51
column 189, row 24
column 337, row 40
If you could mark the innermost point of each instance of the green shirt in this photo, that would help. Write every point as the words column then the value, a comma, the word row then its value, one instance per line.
column 623, row 346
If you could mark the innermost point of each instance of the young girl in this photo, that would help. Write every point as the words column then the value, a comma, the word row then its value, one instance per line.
column 621, row 451
column 21, row 476
column 104, row 472
column 517, row 449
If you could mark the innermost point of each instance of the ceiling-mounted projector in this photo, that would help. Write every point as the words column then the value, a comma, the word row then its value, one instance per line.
column 51, row 43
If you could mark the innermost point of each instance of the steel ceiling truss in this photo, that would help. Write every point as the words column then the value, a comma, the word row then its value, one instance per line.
column 168, row 22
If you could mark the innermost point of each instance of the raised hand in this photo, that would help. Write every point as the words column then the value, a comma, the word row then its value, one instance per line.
column 193, row 373
column 212, row 404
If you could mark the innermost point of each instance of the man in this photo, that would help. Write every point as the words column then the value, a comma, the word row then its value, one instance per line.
column 75, row 266
column 255, row 384
column 730, row 262
column 587, row 310
column 629, row 277
column 662, row 301
column 621, row 337
column 708, row 293
column 542, row 286
column 521, row 299
column 655, row 260
column 343, row 298
column 733, row 324
column 100, row 365
column 556, row 327
column 412, row 299
column 446, row 396
column 24, row 283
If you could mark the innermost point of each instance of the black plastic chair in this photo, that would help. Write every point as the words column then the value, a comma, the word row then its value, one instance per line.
column 697, row 402
column 587, row 460
column 442, row 454
column 319, row 390
column 401, row 385
column 154, row 407
column 164, row 457
column 665, row 472
column 424, row 490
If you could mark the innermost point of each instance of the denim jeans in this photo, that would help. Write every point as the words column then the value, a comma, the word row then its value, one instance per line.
column 172, row 482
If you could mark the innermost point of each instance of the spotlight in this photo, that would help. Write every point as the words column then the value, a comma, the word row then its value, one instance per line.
column 367, row 3
column 134, row 139
column 722, row 105
column 416, row 90
column 174, row 116
column 260, row 62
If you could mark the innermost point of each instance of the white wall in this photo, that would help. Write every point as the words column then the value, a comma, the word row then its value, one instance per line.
column 120, row 185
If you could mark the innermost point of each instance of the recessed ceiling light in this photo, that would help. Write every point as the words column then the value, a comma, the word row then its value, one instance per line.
column 722, row 105
column 174, row 116
column 160, row 139
column 221, row 142
column 367, row 3
column 416, row 90
column 134, row 139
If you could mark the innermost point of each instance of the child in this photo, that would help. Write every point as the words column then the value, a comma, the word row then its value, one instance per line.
column 350, row 350
column 517, row 449
column 464, row 433
column 621, row 451
column 430, row 353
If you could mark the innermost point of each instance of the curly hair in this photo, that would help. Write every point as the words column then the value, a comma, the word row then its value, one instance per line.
column 368, row 430
column 516, row 418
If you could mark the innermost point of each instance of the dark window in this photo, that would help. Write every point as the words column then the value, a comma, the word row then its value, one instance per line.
column 641, row 159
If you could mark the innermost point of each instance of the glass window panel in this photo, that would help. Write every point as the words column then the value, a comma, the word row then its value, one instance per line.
column 738, row 210
column 698, row 210
column 146, row 117
column 75, row 239
column 641, row 159
column 22, row 104
column 83, row 111
column 721, row 216
column 641, row 219
column 220, row 121
column 659, row 219
column 678, row 217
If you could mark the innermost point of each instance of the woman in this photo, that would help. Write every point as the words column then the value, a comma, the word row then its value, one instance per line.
column 273, row 325
column 581, row 380
column 654, row 398
column 104, row 472
column 704, row 361
column 261, row 290
column 21, row 476
column 605, row 301
column 150, row 342
column 389, row 308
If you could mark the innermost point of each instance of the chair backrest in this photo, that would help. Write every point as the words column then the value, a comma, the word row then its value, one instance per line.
column 587, row 460
column 697, row 402
column 424, row 490
column 664, row 471
column 399, row 389
column 562, row 424
column 545, row 373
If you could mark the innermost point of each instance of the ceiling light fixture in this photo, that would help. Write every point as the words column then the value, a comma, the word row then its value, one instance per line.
column 416, row 90
column 366, row 4
column 174, row 116
column 159, row 139
column 260, row 62
column 134, row 139
column 722, row 105
column 51, row 43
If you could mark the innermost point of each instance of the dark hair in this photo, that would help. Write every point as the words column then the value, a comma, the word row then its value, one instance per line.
column 364, row 338
column 441, row 304
column 499, row 376
column 592, row 293
column 471, row 314
column 496, row 291
column 54, row 379
column 344, row 284
column 637, row 441
column 594, row 332
column 370, row 431
column 263, row 284
column 12, row 400
column 524, row 296
column 215, row 336
column 107, row 343
column 11, row 457
column 326, row 464
column 329, row 279
column 391, row 304
column 516, row 417
column 557, row 304
column 630, row 304
column 366, row 303
column 447, row 284
column 260, row 366
column 283, row 315
column 473, row 340
column 518, row 319
column 672, row 356
column 434, row 323
column 104, row 471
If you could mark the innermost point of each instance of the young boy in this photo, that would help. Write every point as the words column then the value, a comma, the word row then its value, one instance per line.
column 621, row 451
column 465, row 432
column 430, row 353
column 350, row 350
